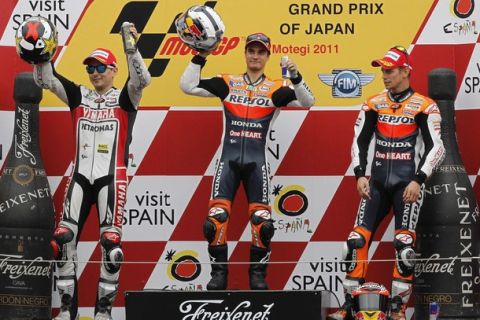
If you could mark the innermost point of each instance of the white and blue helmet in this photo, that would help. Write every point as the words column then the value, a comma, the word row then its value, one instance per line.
column 200, row 28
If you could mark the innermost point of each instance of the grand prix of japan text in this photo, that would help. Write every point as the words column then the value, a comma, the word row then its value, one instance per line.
column 327, row 9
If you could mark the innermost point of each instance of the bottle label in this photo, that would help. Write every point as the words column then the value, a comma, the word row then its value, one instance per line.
column 26, row 274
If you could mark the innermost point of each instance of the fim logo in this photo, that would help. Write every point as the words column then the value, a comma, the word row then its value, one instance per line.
column 346, row 83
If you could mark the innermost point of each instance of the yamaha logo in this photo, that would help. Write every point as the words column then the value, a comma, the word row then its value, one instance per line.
column 346, row 83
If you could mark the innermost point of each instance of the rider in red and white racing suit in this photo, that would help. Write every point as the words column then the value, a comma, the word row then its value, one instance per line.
column 250, row 105
column 408, row 147
column 103, row 121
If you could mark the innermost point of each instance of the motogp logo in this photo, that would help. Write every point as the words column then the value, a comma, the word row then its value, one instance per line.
column 346, row 83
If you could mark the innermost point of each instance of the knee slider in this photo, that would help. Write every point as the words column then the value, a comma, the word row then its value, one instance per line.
column 61, row 237
column 215, row 222
column 112, row 251
column 405, row 253
column 354, row 242
column 262, row 221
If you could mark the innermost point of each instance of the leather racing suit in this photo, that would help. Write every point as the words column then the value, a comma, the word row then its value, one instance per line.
column 408, row 146
column 249, row 110
column 103, row 127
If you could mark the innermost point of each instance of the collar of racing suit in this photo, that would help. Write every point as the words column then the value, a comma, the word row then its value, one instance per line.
column 249, row 82
column 401, row 96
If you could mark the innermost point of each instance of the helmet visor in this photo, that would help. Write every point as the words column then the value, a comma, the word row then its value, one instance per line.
column 371, row 302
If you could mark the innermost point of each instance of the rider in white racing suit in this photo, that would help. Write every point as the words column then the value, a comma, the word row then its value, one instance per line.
column 103, row 121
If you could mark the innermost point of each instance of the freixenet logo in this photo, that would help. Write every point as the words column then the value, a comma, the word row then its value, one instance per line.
column 160, row 47
column 435, row 265
column 211, row 309
column 16, row 269
column 23, row 138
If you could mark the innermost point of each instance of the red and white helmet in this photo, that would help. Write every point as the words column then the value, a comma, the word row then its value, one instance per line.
column 200, row 28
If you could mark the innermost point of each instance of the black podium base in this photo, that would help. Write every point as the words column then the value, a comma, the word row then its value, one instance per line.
column 223, row 305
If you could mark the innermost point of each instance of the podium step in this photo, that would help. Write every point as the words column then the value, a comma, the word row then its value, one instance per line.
column 223, row 305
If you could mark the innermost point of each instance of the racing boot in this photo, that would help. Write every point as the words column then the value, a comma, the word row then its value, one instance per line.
column 345, row 311
column 218, row 259
column 397, row 309
column 104, row 309
column 64, row 313
column 259, row 258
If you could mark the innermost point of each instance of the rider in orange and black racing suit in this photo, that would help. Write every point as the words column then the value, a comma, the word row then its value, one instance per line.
column 250, row 105
column 408, row 147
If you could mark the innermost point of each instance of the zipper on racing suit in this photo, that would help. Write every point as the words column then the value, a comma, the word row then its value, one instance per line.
column 251, row 87
column 390, row 138
column 243, row 146
column 94, row 139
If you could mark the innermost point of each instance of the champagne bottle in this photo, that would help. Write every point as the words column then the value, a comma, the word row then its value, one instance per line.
column 129, row 42
column 448, row 230
column 27, row 215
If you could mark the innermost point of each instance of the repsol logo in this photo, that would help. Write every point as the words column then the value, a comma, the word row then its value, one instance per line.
column 391, row 119
column 159, row 47
column 394, row 144
column 240, row 123
column 247, row 100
